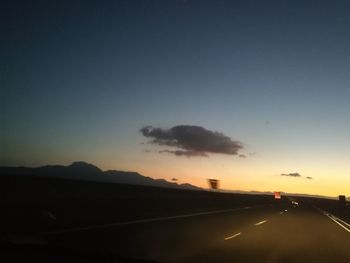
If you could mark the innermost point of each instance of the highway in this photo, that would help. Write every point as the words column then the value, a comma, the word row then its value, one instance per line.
column 271, row 233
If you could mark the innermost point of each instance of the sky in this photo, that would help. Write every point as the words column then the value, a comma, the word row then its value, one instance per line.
column 111, row 82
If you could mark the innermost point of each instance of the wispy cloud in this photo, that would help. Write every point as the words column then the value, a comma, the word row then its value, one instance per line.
column 292, row 174
column 192, row 141
column 296, row 175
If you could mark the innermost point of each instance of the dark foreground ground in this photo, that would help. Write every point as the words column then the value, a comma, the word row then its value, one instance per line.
column 70, row 221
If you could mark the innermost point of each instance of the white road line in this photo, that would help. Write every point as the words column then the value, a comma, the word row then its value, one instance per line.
column 148, row 220
column 260, row 223
column 334, row 220
column 235, row 235
column 342, row 223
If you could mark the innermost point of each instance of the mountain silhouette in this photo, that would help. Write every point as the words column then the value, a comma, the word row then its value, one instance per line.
column 84, row 167
column 87, row 172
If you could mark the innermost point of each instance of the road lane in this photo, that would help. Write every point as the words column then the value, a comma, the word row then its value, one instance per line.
column 149, row 220
column 163, row 240
column 300, row 234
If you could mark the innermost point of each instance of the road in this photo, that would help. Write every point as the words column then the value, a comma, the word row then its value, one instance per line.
column 271, row 233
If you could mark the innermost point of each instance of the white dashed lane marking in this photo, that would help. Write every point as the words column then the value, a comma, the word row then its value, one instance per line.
column 233, row 236
column 260, row 223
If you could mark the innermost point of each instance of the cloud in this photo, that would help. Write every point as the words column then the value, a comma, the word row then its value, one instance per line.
column 292, row 174
column 184, row 153
column 192, row 140
column 297, row 175
column 242, row 156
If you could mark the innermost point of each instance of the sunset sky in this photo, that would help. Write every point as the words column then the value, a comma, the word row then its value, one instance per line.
column 80, row 79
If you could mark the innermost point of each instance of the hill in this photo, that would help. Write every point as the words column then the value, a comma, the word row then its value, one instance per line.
column 87, row 172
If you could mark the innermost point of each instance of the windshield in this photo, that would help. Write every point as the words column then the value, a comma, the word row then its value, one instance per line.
column 175, row 131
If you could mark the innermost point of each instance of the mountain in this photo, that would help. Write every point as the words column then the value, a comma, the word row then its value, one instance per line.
column 283, row 193
column 87, row 172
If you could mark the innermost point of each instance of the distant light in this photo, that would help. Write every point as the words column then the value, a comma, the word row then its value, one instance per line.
column 295, row 203
column 277, row 195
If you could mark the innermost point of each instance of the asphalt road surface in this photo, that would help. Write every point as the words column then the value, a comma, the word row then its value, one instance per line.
column 272, row 233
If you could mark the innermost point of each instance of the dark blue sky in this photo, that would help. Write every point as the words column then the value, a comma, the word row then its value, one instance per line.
column 80, row 78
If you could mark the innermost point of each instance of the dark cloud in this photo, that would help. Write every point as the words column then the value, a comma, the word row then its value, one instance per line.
column 292, row 175
column 242, row 156
column 309, row 177
column 174, row 179
column 184, row 153
column 192, row 140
